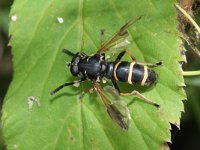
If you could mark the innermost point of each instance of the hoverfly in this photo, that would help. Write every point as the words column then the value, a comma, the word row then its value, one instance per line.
column 96, row 67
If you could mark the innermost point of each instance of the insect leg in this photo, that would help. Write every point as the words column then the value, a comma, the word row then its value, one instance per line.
column 67, row 84
column 129, row 54
column 89, row 91
column 119, row 57
column 122, row 54
column 68, row 52
column 136, row 93
column 151, row 65
column 140, row 96
column 116, row 86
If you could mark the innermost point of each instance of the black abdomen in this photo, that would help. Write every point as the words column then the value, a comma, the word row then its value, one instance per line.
column 137, row 74
column 133, row 73
column 122, row 71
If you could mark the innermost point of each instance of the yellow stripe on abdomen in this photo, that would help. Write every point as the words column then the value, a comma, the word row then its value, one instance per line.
column 145, row 75
column 130, row 72
column 115, row 69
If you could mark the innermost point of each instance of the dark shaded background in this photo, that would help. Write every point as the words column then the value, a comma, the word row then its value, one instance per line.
column 188, row 137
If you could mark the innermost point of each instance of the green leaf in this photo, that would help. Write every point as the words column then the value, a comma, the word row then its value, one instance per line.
column 65, row 122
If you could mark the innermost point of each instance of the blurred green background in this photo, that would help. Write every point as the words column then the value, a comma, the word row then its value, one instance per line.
column 188, row 137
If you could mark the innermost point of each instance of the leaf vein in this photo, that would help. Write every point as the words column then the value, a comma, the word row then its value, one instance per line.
column 101, row 127
column 34, row 31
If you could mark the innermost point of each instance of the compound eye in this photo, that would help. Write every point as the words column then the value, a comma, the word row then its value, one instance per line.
column 76, row 60
column 74, row 65
column 74, row 70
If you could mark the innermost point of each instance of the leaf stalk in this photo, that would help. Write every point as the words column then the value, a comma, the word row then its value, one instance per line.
column 191, row 73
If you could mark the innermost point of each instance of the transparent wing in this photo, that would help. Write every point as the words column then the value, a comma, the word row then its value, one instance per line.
column 120, row 45
column 120, row 39
column 116, row 108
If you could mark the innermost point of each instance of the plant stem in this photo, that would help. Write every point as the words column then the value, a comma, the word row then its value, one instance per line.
column 191, row 73
column 188, row 17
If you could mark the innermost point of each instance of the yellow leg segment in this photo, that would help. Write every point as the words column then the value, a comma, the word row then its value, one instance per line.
column 140, row 96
